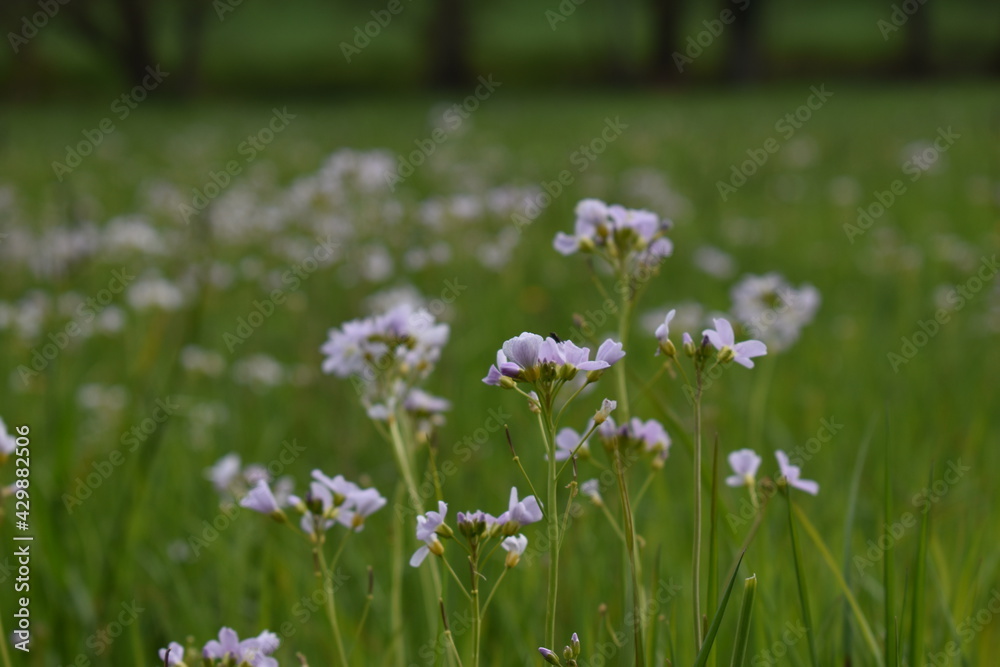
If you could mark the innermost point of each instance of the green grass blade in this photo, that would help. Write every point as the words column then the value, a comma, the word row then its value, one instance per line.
column 859, row 615
column 706, row 648
column 713, row 535
column 888, row 564
column 743, row 626
column 919, row 583
column 852, row 502
column 800, row 577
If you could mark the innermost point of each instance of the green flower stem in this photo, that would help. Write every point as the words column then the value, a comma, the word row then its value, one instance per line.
column 623, row 328
column 640, row 653
column 477, row 619
column 331, row 610
column 517, row 461
column 364, row 613
column 495, row 587
column 552, row 514
column 431, row 586
column 696, row 556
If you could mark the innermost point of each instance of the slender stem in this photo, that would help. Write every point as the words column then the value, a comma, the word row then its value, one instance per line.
column 623, row 328
column 477, row 619
column 640, row 653
column 645, row 487
column 572, row 455
column 570, row 400
column 447, row 633
column 696, row 557
column 495, row 587
column 457, row 580
column 364, row 614
column 331, row 610
column 613, row 521
column 517, row 461
column 552, row 514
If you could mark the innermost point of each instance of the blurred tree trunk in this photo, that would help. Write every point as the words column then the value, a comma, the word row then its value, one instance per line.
column 667, row 17
column 447, row 44
column 136, row 45
column 917, row 36
column 192, row 33
column 743, row 52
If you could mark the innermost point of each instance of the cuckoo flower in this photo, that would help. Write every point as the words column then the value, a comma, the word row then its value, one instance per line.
column 744, row 463
column 253, row 651
column 791, row 474
column 427, row 526
column 514, row 546
column 521, row 512
column 723, row 339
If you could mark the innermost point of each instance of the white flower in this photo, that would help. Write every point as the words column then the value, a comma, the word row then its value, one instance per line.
column 791, row 474
column 514, row 546
column 723, row 338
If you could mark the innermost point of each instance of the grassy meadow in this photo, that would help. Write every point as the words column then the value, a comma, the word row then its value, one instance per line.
column 142, row 538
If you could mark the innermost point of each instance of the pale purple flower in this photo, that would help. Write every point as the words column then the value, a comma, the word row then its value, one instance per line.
column 791, row 474
column 663, row 331
column 651, row 434
column 253, row 651
column 338, row 485
column 224, row 472
column 427, row 525
column 359, row 506
column 420, row 402
column 318, row 494
column 591, row 217
column 176, row 654
column 523, row 512
column 723, row 337
column 521, row 352
column 744, row 463
column 261, row 499
column 566, row 442
column 610, row 352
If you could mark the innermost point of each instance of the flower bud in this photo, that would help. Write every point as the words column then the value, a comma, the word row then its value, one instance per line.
column 575, row 643
column 444, row 530
column 668, row 349
column 513, row 558
column 549, row 656
column 507, row 383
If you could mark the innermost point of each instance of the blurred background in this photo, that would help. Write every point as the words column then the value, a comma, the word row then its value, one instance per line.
column 251, row 47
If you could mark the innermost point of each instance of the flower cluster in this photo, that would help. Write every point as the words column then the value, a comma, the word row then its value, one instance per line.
column 571, row 653
column 477, row 527
column 328, row 501
column 770, row 308
column 648, row 437
column 234, row 480
column 622, row 236
column 228, row 649
column 722, row 338
column 386, row 356
column 542, row 362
